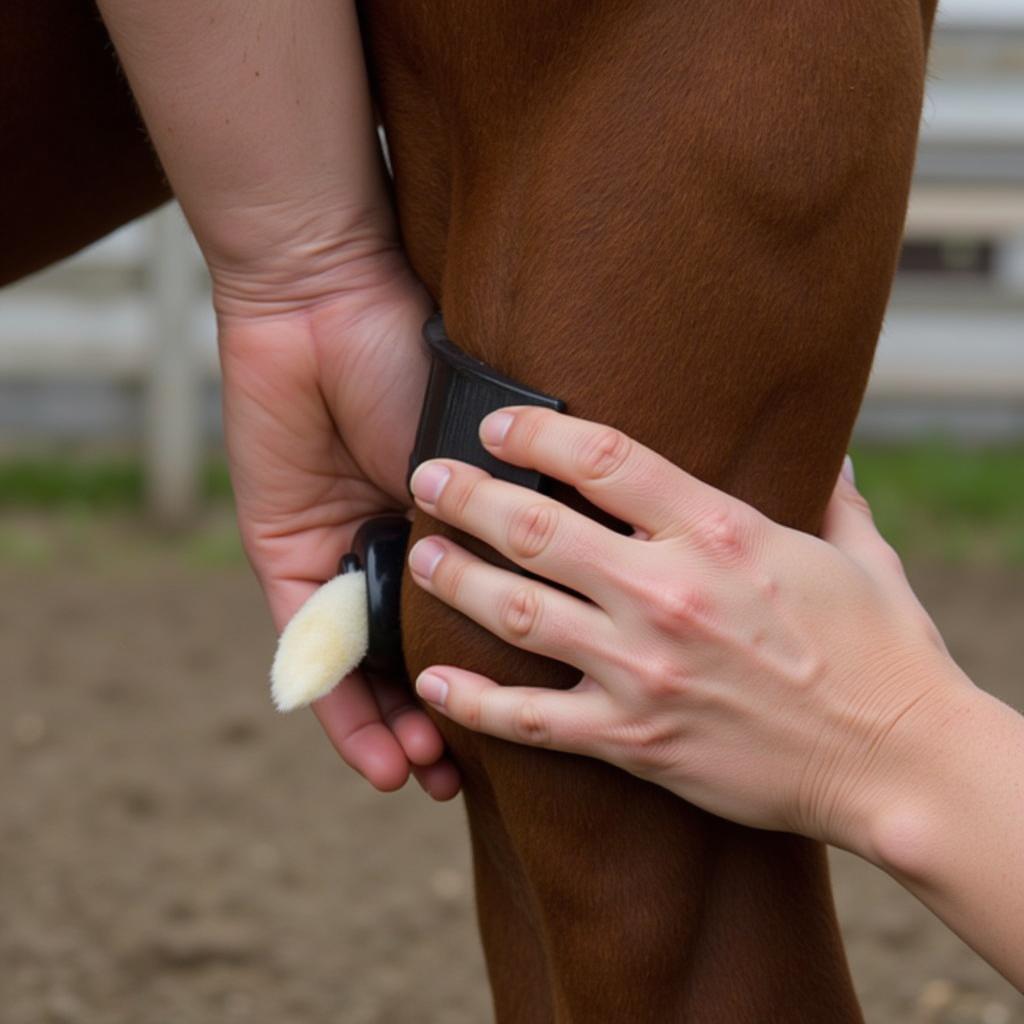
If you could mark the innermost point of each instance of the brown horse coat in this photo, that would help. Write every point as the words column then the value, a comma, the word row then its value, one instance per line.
column 683, row 219
column 680, row 216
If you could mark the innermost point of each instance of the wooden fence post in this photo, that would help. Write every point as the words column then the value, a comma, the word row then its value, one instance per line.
column 173, row 441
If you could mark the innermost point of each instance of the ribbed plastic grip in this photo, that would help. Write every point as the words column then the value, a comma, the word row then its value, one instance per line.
column 462, row 390
column 378, row 548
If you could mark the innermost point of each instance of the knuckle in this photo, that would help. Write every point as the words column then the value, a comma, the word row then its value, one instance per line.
column 520, row 613
column 724, row 535
column 392, row 717
column 472, row 714
column 675, row 608
column 859, row 502
column 662, row 678
column 449, row 577
column 531, row 529
column 649, row 743
column 528, row 426
column 462, row 497
column 530, row 725
column 601, row 454
column 808, row 671
column 890, row 558
column 657, row 678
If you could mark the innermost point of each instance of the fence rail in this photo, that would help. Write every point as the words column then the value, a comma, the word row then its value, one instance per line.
column 134, row 309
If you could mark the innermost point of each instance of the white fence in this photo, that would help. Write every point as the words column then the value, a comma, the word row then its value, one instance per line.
column 956, row 345
column 134, row 308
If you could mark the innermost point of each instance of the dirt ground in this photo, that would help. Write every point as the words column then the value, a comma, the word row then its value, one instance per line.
column 172, row 850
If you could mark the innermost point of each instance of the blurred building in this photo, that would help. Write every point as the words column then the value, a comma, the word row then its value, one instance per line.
column 951, row 357
column 118, row 343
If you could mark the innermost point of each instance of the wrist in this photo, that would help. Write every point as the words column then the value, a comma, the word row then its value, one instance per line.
column 878, row 773
column 297, row 279
column 910, row 806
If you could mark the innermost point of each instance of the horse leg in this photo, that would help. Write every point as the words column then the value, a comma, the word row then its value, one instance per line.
column 507, row 911
column 683, row 220
column 77, row 159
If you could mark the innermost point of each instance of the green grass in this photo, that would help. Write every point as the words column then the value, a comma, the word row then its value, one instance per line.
column 93, row 483
column 89, row 510
column 938, row 500
column 932, row 501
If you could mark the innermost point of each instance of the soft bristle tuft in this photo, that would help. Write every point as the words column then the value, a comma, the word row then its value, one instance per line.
column 324, row 641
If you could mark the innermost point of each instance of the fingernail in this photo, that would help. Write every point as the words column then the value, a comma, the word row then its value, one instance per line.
column 848, row 470
column 428, row 481
column 424, row 557
column 494, row 427
column 433, row 689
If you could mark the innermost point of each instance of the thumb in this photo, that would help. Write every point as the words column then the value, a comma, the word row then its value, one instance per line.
column 848, row 523
column 850, row 526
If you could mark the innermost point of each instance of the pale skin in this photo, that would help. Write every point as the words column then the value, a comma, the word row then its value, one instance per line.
column 781, row 680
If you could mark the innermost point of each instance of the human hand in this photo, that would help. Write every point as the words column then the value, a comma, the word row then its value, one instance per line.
column 757, row 671
column 323, row 380
column 265, row 128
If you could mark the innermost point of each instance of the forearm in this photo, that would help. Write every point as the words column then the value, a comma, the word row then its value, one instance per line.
column 261, row 117
column 952, row 831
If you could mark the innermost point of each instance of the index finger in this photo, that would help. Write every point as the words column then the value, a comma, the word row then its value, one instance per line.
column 612, row 470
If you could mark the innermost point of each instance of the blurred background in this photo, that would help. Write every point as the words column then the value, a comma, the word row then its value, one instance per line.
column 170, row 849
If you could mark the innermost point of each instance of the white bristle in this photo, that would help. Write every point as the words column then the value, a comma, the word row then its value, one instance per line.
column 325, row 639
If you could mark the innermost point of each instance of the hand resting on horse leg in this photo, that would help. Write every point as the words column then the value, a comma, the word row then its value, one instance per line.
column 262, row 120
column 781, row 680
